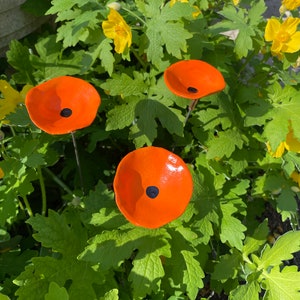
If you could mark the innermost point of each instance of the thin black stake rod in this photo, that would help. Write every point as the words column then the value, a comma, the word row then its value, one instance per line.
column 78, row 161
column 190, row 109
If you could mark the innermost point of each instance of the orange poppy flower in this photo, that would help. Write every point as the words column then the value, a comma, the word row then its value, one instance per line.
column 62, row 104
column 193, row 79
column 153, row 186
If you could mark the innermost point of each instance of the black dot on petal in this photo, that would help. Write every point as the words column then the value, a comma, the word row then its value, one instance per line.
column 192, row 89
column 152, row 191
column 66, row 112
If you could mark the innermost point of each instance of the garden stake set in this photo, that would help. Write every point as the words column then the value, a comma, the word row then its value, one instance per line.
column 149, row 180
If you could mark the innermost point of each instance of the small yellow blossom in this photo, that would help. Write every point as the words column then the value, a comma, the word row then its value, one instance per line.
column 290, row 4
column 278, row 152
column 236, row 2
column 118, row 30
column 197, row 12
column 1, row 173
column 284, row 36
column 290, row 144
column 172, row 2
column 295, row 176
column 11, row 99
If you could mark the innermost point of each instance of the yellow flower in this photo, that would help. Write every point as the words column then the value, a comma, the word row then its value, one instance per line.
column 278, row 152
column 172, row 2
column 118, row 30
column 284, row 36
column 11, row 99
column 290, row 144
column 296, row 177
column 1, row 173
column 236, row 2
column 291, row 4
column 197, row 12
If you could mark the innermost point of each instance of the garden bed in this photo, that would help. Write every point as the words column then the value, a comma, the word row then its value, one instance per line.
column 145, row 154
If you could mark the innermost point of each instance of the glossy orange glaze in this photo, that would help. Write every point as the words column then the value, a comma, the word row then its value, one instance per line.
column 153, row 186
column 193, row 79
column 62, row 104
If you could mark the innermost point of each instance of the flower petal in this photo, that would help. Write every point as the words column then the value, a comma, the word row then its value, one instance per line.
column 273, row 26
column 294, row 44
column 290, row 25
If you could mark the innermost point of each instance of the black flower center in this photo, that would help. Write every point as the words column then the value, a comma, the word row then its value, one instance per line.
column 192, row 89
column 66, row 112
column 152, row 191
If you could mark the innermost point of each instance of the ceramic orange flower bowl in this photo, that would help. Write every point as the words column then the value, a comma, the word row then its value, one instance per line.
column 153, row 187
column 193, row 79
column 62, row 105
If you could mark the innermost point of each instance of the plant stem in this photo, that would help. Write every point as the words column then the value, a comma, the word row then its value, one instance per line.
column 59, row 182
column 135, row 15
column 190, row 109
column 78, row 161
column 28, row 207
column 138, row 58
column 43, row 190
column 12, row 131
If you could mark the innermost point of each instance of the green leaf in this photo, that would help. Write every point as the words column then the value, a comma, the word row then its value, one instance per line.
column 20, row 117
column 147, row 112
column 56, row 292
column 55, row 232
column 13, row 262
column 61, row 6
column 121, row 116
column 76, row 30
column 174, row 36
column 19, row 57
column 147, row 266
column 8, row 204
column 259, row 237
column 280, row 187
column 249, row 291
column 164, row 28
column 176, row 12
column 232, row 230
column 111, row 295
column 184, row 268
column 282, row 285
column 101, row 210
column 125, row 86
column 205, row 199
column 154, row 42
column 142, row 115
column 52, row 63
column 282, row 250
column 243, row 21
column 106, row 57
column 66, row 237
column 286, row 110
column 99, row 250
column 255, row 13
column 228, row 266
column 4, row 297
column 224, row 144
column 192, row 274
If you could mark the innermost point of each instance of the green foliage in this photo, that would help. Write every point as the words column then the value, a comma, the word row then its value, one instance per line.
column 238, row 237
